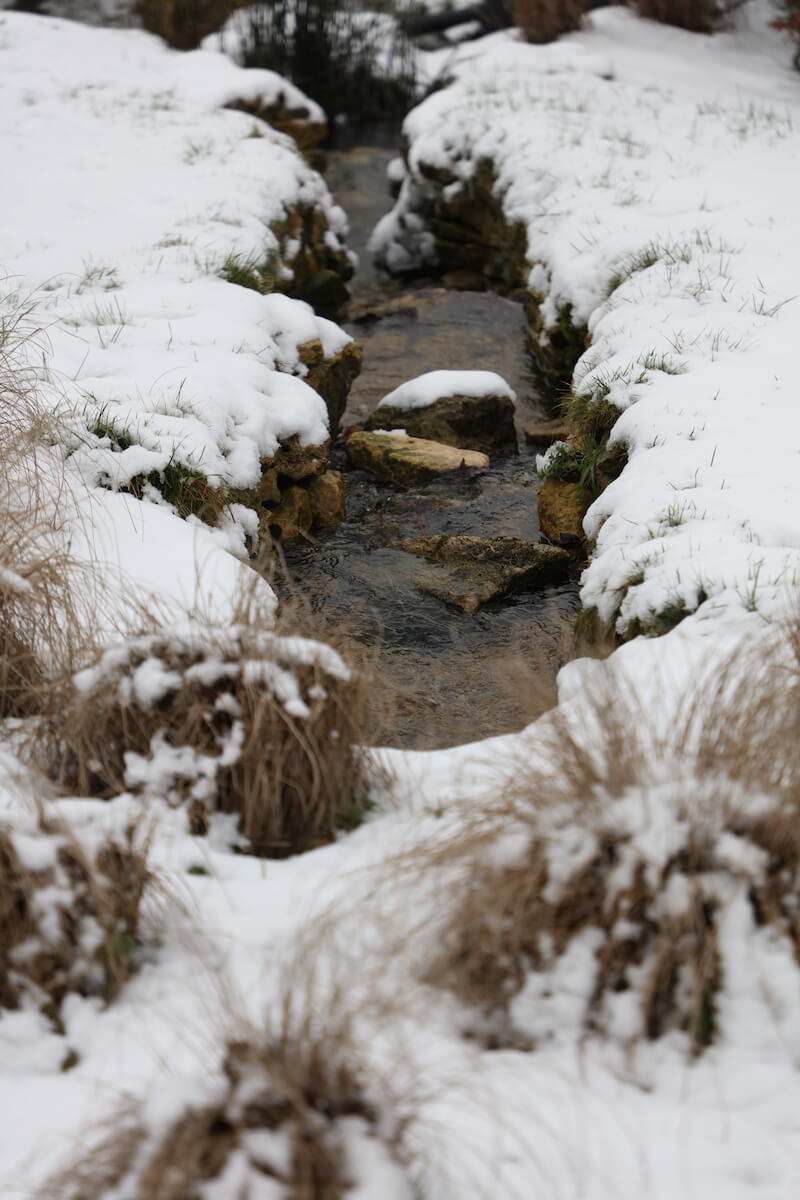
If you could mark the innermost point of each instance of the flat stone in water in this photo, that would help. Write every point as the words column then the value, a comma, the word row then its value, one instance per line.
column 407, row 459
column 468, row 572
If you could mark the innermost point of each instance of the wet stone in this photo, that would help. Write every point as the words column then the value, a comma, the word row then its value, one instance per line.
column 408, row 460
column 294, row 516
column 468, row 572
column 326, row 496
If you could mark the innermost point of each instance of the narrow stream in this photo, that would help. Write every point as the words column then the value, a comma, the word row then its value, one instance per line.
column 457, row 674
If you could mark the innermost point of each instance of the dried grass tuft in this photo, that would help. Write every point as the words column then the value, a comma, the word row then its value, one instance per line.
column 698, row 16
column 184, row 23
column 288, row 1107
column 250, row 719
column 38, row 623
column 545, row 20
column 71, row 922
column 635, row 844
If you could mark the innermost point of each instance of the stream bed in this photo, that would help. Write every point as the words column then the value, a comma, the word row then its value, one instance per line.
column 457, row 675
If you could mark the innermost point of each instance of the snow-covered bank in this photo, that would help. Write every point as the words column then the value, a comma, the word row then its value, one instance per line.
column 139, row 199
column 656, row 175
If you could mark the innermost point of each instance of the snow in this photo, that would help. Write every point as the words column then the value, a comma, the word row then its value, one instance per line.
column 132, row 557
column 159, row 187
column 130, row 188
column 424, row 390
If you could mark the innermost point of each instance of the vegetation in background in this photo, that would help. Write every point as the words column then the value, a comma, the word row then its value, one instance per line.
column 789, row 20
column 354, row 63
column 545, row 20
column 700, row 16
column 184, row 23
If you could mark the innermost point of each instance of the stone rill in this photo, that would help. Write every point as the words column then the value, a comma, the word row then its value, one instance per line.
column 406, row 459
column 467, row 572
column 477, row 586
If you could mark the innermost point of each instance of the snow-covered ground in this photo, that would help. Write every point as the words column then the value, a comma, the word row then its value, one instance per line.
column 128, row 187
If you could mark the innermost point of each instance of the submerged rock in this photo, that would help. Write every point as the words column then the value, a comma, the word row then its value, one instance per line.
column 406, row 459
column 470, row 571
column 469, row 409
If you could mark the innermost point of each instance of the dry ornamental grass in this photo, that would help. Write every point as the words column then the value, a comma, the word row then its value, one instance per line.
column 38, row 624
column 71, row 922
column 290, row 1105
column 244, row 720
column 545, row 20
column 637, row 844
column 699, row 16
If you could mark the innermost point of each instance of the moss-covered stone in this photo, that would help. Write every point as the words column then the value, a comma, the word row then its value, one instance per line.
column 319, row 271
column 554, row 349
column 296, row 461
column 472, row 571
column 294, row 120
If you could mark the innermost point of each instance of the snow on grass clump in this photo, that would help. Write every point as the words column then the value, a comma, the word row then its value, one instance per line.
column 426, row 389
column 656, row 178
column 138, row 197
column 293, row 1114
column 236, row 719
column 626, row 869
column 71, row 909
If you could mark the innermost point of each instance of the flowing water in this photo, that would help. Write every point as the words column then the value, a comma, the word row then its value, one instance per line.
column 458, row 673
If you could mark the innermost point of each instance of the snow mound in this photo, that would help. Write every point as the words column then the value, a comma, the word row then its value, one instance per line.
column 426, row 389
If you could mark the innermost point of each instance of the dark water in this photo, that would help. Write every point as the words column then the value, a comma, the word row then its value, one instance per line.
column 458, row 674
